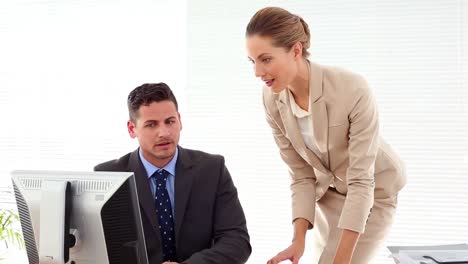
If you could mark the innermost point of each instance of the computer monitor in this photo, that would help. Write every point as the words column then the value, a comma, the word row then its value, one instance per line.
column 80, row 217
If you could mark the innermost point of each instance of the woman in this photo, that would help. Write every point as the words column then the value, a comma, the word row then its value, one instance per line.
column 344, row 178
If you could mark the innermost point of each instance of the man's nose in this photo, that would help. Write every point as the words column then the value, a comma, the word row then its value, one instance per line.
column 163, row 131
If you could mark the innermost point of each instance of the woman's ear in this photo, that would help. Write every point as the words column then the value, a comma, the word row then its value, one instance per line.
column 297, row 50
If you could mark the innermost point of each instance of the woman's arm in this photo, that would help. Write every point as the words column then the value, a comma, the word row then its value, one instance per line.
column 344, row 252
column 302, row 187
column 301, row 226
column 363, row 146
column 302, row 174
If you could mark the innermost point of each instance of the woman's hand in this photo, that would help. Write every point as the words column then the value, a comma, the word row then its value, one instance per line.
column 293, row 253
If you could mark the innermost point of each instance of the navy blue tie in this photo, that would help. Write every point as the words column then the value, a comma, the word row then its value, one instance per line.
column 164, row 214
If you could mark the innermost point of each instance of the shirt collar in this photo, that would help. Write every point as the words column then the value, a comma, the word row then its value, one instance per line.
column 151, row 169
column 296, row 109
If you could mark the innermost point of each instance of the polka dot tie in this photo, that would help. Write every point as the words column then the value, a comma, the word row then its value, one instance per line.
column 164, row 214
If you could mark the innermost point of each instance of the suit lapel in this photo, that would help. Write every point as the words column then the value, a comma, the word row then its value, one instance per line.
column 319, row 112
column 320, row 120
column 293, row 132
column 319, row 117
column 145, row 195
column 290, row 123
column 183, row 185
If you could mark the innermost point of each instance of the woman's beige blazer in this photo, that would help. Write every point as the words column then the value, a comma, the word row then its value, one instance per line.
column 353, row 156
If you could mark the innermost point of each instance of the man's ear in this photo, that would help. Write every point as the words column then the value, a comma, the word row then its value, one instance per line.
column 131, row 128
column 180, row 120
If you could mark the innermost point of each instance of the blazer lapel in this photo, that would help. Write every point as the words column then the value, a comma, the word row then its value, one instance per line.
column 145, row 195
column 320, row 122
column 183, row 185
column 293, row 132
column 319, row 112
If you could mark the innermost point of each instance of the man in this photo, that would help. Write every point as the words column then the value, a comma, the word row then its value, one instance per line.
column 189, row 205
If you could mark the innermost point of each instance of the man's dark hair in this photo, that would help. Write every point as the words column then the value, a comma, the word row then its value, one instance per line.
column 147, row 94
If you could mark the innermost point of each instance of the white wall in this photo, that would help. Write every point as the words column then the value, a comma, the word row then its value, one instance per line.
column 66, row 68
column 413, row 54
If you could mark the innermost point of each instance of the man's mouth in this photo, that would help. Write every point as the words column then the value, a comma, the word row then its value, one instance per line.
column 162, row 144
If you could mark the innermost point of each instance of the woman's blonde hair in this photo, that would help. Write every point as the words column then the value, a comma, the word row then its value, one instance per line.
column 284, row 28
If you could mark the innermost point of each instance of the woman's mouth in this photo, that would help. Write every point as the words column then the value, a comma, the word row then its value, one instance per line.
column 269, row 83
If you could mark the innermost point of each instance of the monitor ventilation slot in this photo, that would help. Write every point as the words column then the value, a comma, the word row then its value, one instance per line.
column 30, row 183
column 93, row 186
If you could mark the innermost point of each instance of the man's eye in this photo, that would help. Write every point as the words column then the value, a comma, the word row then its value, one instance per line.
column 149, row 125
column 266, row 60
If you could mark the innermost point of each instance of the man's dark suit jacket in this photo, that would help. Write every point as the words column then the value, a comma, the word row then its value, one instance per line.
column 210, row 225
